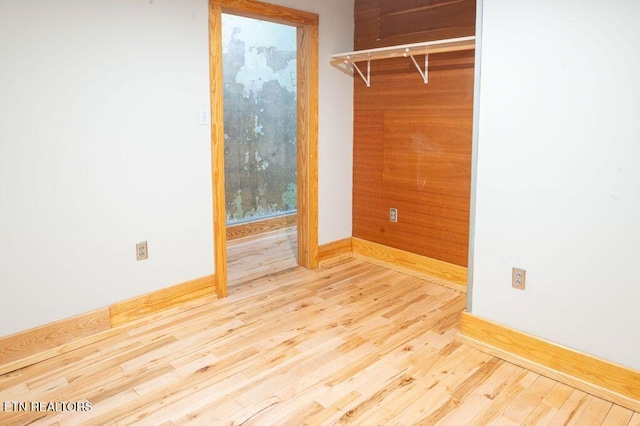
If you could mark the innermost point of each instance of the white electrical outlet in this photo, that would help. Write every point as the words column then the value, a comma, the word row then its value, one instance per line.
column 142, row 251
column 393, row 215
column 518, row 277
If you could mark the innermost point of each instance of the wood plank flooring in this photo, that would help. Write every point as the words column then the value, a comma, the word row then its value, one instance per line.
column 259, row 256
column 351, row 343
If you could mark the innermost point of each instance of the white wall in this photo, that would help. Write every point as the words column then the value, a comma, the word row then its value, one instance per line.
column 335, row 143
column 558, row 185
column 100, row 148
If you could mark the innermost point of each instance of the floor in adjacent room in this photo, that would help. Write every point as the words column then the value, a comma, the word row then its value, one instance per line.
column 348, row 343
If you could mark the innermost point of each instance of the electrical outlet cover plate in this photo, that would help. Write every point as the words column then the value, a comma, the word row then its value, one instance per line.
column 518, row 276
column 142, row 251
column 393, row 215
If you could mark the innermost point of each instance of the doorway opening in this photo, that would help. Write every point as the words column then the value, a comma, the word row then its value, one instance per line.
column 305, row 185
column 259, row 77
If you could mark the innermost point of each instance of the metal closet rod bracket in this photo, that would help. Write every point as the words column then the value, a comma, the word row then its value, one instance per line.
column 424, row 74
column 346, row 62
column 367, row 79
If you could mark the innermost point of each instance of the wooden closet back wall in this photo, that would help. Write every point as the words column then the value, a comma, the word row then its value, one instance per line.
column 412, row 141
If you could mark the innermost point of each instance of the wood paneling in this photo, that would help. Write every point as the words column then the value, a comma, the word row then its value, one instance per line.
column 604, row 379
column 381, row 23
column 412, row 142
column 258, row 227
column 443, row 273
column 39, row 339
column 202, row 289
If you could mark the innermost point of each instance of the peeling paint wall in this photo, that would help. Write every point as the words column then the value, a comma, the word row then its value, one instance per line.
column 259, row 70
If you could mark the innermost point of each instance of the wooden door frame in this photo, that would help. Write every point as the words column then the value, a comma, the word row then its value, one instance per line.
column 307, row 126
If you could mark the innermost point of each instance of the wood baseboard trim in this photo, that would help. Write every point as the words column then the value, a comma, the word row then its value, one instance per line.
column 28, row 347
column 606, row 380
column 39, row 339
column 335, row 251
column 443, row 273
column 201, row 289
column 258, row 227
column 93, row 338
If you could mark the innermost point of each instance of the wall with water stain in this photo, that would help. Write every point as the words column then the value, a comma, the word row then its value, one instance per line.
column 259, row 71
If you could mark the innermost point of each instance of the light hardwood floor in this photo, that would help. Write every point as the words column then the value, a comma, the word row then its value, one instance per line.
column 255, row 257
column 349, row 343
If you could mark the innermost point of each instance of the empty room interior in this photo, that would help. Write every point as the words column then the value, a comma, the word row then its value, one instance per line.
column 377, row 212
